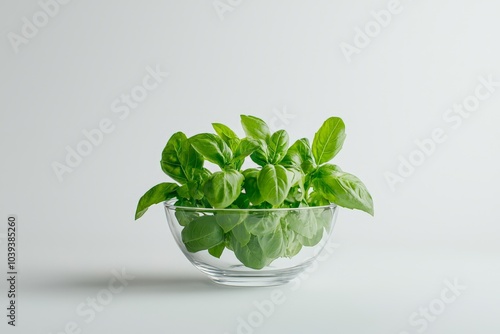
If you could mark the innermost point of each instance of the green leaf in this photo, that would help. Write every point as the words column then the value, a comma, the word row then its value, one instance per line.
column 201, row 234
column 277, row 146
column 274, row 184
column 328, row 140
column 251, row 187
column 273, row 243
column 299, row 155
column 213, row 148
column 183, row 191
column 228, row 220
column 325, row 218
column 241, row 234
column 227, row 135
column 245, row 148
column 184, row 217
column 261, row 223
column 251, row 255
column 255, row 128
column 295, row 177
column 159, row 193
column 292, row 243
column 316, row 238
column 198, row 179
column 216, row 251
column 260, row 155
column 242, row 202
column 179, row 158
column 342, row 188
column 303, row 222
column 297, row 190
column 190, row 160
column 316, row 199
column 294, row 196
column 223, row 188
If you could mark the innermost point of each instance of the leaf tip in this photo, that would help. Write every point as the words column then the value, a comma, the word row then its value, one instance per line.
column 139, row 214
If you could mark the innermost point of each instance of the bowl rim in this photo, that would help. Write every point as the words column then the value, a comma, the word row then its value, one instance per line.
column 170, row 205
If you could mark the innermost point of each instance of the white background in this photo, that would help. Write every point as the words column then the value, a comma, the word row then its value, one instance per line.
column 263, row 57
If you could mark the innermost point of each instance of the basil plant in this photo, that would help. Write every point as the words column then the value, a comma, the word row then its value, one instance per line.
column 284, row 176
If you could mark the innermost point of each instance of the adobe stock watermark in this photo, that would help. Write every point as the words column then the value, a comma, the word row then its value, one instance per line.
column 121, row 107
column 222, row 7
column 264, row 309
column 420, row 320
column 88, row 310
column 280, row 119
column 453, row 118
column 32, row 25
column 363, row 36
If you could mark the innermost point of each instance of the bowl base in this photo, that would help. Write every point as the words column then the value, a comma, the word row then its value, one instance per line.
column 243, row 277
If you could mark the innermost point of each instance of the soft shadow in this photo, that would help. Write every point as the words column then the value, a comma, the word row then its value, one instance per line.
column 142, row 283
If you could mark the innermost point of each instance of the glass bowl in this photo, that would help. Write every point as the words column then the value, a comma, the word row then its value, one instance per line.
column 260, row 247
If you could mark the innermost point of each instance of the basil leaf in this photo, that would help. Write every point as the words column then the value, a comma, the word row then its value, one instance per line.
column 294, row 197
column 251, row 255
column 224, row 132
column 170, row 163
column 274, row 184
column 227, row 135
column 183, row 191
column 213, row 148
column 328, row 140
column 245, row 148
column 251, row 187
column 299, row 155
column 159, row 193
column 184, row 217
column 325, row 218
column 223, row 188
column 292, row 243
column 255, row 128
column 315, row 199
column 277, row 146
column 201, row 234
column 296, row 178
column 316, row 238
column 195, row 186
column 303, row 222
column 272, row 244
column 241, row 234
column 342, row 188
column 260, row 156
column 298, row 189
column 228, row 220
column 242, row 202
column 216, row 251
column 261, row 223
column 190, row 160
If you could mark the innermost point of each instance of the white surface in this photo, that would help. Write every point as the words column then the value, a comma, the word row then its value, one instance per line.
column 441, row 223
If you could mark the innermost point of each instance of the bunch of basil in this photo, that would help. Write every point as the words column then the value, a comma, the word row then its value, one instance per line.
column 293, row 176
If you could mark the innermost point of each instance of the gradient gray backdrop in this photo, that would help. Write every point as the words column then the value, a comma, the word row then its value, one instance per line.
column 262, row 58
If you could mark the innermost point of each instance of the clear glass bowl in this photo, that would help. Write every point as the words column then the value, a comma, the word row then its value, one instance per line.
column 264, row 247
